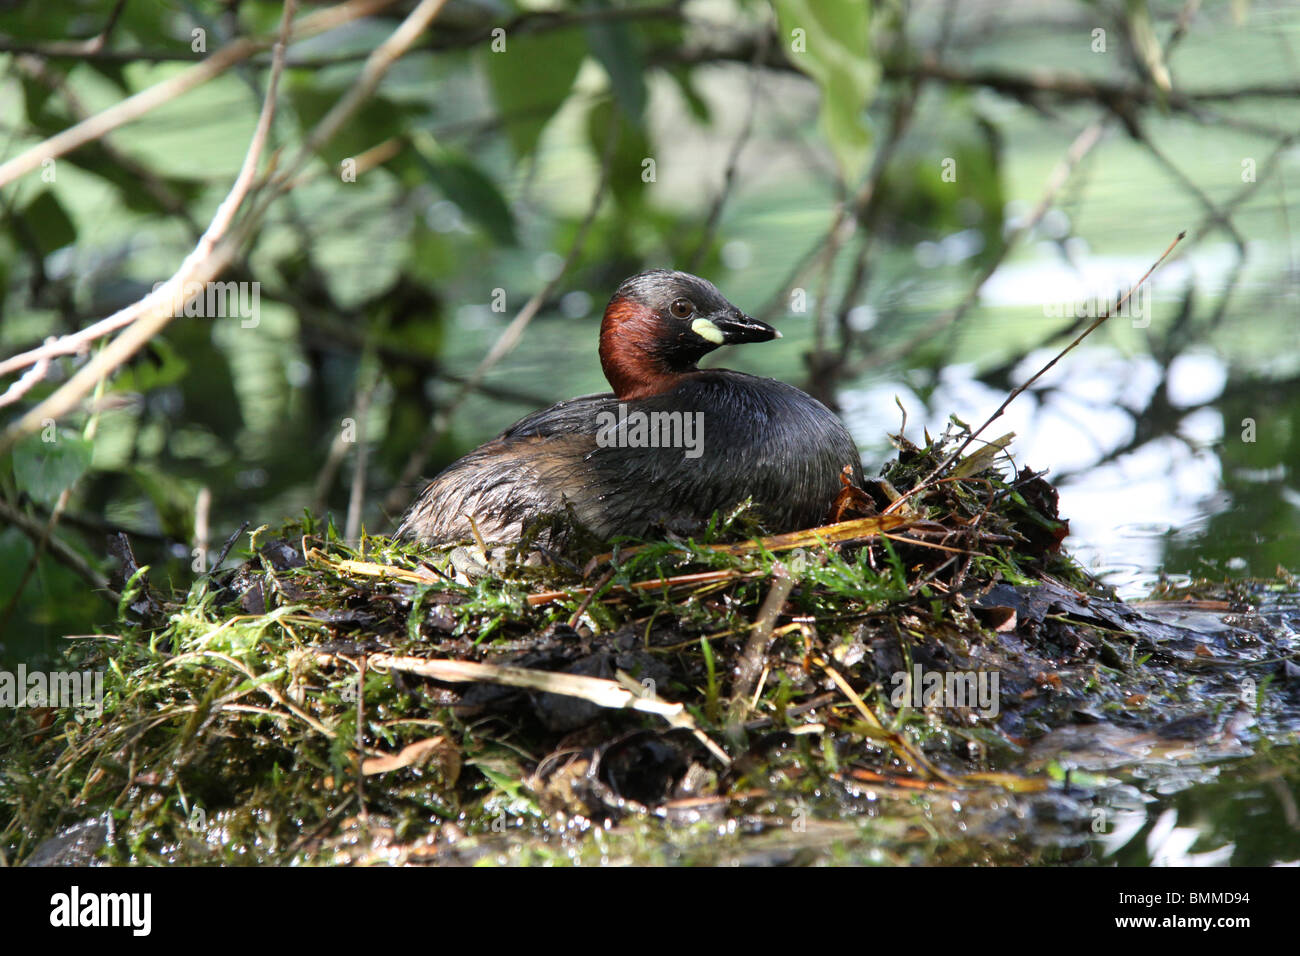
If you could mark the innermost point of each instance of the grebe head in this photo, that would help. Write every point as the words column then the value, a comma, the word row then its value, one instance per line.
column 660, row 323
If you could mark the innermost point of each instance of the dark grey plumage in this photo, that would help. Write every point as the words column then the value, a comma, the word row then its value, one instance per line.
column 565, row 465
column 761, row 439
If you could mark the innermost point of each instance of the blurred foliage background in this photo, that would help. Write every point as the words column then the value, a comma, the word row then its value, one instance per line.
column 922, row 195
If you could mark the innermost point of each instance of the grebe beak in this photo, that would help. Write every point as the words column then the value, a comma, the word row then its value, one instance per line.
column 737, row 327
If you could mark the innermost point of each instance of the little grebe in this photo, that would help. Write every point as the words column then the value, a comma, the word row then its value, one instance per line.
column 668, row 447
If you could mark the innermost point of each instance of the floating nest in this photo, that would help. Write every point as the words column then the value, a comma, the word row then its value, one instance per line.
column 921, row 680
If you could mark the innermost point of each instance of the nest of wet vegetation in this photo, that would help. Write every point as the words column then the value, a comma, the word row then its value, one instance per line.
column 928, row 679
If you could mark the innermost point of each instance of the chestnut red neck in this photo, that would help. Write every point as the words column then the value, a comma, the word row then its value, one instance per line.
column 634, row 354
column 660, row 323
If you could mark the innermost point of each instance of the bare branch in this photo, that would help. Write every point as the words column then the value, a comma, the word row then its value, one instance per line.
column 133, row 107
column 146, row 317
column 214, row 253
column 27, row 382
column 526, row 23
column 1020, row 389
column 59, row 548
column 1082, row 145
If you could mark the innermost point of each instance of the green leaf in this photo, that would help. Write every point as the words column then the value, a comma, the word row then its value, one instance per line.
column 830, row 41
column 627, row 168
column 49, row 225
column 155, row 367
column 698, row 106
column 94, row 159
column 530, row 79
column 115, row 73
column 36, row 96
column 382, row 119
column 983, row 459
column 45, row 469
column 618, row 51
column 138, row 582
column 468, row 187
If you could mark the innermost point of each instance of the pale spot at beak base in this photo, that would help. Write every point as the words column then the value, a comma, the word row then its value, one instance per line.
column 708, row 331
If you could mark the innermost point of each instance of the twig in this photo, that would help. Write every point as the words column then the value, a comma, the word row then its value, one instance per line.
column 96, row 43
column 901, row 117
column 202, row 530
column 156, row 187
column 1082, row 145
column 376, row 67
column 133, row 107
column 1015, row 392
column 529, row 23
column 26, row 382
column 71, row 558
column 576, row 616
column 751, row 659
column 859, row 208
column 214, row 253
column 230, row 543
column 899, row 743
column 650, row 584
column 366, row 384
column 733, row 160
column 839, row 532
column 1032, row 88
column 148, row 316
column 329, row 471
column 1213, row 215
column 361, row 741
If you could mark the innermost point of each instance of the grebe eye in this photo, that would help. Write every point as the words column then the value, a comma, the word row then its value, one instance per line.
column 681, row 308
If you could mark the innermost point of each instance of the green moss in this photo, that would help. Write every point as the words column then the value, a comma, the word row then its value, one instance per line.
column 237, row 728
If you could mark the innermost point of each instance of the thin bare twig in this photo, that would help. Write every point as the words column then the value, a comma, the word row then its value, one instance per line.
column 526, row 23
column 901, row 116
column 36, row 531
column 859, row 210
column 214, row 253
column 96, row 127
column 26, row 382
column 149, row 315
column 1213, row 214
column 366, row 384
column 161, row 193
column 733, row 160
column 96, row 43
column 133, row 107
column 1019, row 389
column 751, row 661
column 1082, row 145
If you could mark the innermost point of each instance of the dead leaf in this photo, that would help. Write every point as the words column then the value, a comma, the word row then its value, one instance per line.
column 416, row 754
